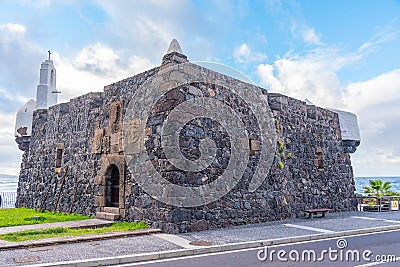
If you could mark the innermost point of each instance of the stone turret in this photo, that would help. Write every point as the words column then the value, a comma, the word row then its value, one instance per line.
column 23, row 125
column 174, row 55
column 350, row 130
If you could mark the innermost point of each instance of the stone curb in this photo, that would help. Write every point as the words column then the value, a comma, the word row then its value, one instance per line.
column 211, row 249
column 29, row 244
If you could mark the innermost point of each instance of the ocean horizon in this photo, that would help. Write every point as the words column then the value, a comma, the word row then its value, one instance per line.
column 9, row 183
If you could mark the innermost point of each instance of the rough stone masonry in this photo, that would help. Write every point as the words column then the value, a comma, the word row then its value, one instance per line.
column 185, row 148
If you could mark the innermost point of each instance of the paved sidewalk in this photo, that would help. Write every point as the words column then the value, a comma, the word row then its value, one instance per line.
column 159, row 246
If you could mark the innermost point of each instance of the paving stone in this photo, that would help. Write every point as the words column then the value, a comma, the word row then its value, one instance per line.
column 34, row 249
column 26, row 259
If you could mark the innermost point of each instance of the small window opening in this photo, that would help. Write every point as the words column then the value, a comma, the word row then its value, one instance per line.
column 319, row 161
column 59, row 157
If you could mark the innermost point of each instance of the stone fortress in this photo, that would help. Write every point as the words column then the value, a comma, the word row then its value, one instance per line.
column 183, row 148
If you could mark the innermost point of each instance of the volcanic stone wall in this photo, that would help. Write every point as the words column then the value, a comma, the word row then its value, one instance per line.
column 317, row 172
column 62, row 168
column 71, row 125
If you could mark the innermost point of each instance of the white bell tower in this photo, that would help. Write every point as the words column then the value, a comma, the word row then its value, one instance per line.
column 47, row 94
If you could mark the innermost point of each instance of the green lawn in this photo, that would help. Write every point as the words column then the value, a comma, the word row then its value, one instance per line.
column 64, row 232
column 23, row 216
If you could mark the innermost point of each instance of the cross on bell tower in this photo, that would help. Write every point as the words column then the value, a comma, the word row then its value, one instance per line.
column 47, row 94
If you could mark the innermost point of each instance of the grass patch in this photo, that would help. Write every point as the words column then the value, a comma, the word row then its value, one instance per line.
column 24, row 216
column 65, row 232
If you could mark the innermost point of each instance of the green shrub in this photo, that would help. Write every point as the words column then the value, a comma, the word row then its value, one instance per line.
column 281, row 165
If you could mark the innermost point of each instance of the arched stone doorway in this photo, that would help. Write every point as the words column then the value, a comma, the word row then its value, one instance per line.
column 110, row 182
column 112, row 187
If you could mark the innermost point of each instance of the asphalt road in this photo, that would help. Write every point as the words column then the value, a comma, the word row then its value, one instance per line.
column 333, row 252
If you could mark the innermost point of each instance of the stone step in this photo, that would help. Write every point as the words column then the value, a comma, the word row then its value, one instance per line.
column 107, row 216
column 111, row 210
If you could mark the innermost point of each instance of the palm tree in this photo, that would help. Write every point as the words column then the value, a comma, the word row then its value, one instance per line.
column 379, row 189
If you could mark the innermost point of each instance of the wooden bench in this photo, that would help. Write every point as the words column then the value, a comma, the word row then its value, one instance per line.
column 316, row 211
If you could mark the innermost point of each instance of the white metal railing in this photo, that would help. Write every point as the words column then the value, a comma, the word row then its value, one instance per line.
column 7, row 199
column 373, row 203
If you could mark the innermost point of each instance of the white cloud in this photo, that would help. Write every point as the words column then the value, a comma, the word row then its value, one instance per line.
column 36, row 3
column 147, row 26
column 375, row 101
column 96, row 58
column 378, row 38
column 313, row 76
column 94, row 67
column 12, row 97
column 7, row 120
column 18, row 68
column 243, row 54
column 266, row 73
column 90, row 70
column 42, row 3
column 379, row 91
column 12, row 28
column 310, row 36
column 307, row 34
column 19, row 60
column 10, row 156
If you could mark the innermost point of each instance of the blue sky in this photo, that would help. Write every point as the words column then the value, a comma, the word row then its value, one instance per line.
column 338, row 54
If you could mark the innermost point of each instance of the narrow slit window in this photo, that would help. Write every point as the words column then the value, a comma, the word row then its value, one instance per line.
column 319, row 161
column 59, row 160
